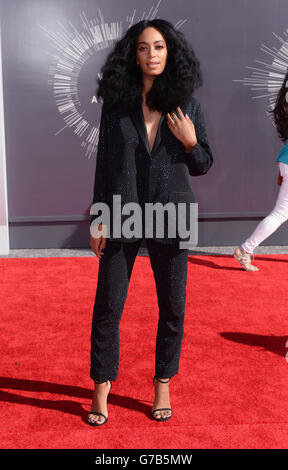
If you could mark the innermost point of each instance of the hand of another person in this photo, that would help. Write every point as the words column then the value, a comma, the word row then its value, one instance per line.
column 183, row 128
column 98, row 244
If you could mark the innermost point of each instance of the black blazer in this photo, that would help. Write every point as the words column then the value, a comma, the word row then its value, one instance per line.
column 126, row 167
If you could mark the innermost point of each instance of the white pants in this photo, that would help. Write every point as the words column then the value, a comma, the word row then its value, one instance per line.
column 278, row 215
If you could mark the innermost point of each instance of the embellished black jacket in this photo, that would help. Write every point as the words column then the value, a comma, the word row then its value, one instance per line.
column 126, row 167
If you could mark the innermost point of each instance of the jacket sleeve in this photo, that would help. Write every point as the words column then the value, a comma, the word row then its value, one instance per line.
column 200, row 158
column 100, row 179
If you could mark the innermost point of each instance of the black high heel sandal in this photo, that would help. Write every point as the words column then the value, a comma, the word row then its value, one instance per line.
column 161, row 409
column 92, row 423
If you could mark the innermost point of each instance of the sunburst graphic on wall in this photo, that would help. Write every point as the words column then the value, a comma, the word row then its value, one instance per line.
column 266, row 80
column 75, row 63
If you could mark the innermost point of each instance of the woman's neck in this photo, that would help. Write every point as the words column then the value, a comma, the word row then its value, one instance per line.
column 147, row 85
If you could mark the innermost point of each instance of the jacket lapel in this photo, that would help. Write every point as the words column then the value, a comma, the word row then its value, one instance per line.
column 158, row 134
column 138, row 119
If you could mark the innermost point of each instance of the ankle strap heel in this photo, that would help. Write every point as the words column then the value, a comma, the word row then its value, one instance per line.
column 161, row 409
column 160, row 380
column 98, row 413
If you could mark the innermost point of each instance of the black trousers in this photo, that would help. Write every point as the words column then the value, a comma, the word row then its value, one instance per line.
column 169, row 265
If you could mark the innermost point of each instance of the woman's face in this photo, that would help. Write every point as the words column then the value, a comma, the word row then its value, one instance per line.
column 151, row 52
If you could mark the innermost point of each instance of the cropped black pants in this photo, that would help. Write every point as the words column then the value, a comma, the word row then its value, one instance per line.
column 169, row 265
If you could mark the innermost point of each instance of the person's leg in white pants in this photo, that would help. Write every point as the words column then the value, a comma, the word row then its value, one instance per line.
column 268, row 225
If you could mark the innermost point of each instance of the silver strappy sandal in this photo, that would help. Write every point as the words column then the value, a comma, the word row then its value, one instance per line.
column 244, row 259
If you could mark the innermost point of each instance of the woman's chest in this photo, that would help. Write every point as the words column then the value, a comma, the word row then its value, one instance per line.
column 151, row 122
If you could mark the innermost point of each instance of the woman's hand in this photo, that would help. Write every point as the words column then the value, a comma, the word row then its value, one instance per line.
column 98, row 244
column 183, row 128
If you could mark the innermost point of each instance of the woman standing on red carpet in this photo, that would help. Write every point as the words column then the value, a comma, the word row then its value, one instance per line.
column 152, row 139
column 279, row 214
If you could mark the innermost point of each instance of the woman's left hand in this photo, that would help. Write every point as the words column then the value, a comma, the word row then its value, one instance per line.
column 183, row 128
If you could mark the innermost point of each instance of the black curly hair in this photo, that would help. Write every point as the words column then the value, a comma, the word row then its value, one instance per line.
column 121, row 82
column 280, row 111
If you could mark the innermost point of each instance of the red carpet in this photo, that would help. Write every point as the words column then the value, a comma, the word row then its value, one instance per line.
column 232, row 389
